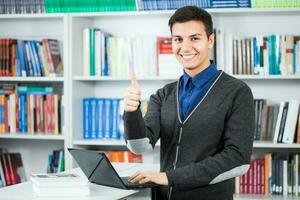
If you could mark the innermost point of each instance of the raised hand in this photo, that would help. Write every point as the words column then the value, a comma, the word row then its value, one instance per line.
column 132, row 95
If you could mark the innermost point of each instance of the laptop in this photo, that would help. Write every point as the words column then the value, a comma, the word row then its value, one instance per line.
column 99, row 170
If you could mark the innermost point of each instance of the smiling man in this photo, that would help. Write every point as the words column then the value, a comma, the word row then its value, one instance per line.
column 205, row 120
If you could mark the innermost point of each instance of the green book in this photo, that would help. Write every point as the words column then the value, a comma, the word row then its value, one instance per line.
column 35, row 89
column 92, row 51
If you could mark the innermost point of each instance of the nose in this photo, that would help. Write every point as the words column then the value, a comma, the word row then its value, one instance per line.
column 186, row 46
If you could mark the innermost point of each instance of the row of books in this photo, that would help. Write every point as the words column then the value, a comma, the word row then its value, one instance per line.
column 124, row 157
column 260, row 55
column 277, row 123
column 30, row 58
column 105, row 55
column 11, row 168
column 172, row 4
column 30, row 110
column 275, row 4
column 103, row 118
column 56, row 161
column 22, row 6
column 66, row 6
column 274, row 174
column 59, row 6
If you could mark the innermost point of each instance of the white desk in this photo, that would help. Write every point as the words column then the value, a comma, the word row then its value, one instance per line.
column 23, row 191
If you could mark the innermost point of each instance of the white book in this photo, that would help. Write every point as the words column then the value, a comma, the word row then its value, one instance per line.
column 97, row 56
column 296, row 171
column 58, row 180
column 277, row 127
column 86, row 51
column 220, row 48
column 291, row 122
column 229, row 53
column 61, row 191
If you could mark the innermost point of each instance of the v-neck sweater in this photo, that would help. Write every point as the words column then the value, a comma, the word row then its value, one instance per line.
column 202, row 154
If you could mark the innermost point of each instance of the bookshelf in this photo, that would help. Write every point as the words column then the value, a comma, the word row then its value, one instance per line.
column 35, row 148
column 75, row 86
column 241, row 22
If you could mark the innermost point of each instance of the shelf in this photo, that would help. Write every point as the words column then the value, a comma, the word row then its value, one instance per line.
column 170, row 12
column 268, row 77
column 32, row 136
column 31, row 79
column 36, row 16
column 259, row 144
column 265, row 197
column 243, row 77
column 119, row 143
column 109, row 78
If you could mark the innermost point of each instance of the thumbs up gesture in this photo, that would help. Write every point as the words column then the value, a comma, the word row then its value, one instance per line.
column 132, row 95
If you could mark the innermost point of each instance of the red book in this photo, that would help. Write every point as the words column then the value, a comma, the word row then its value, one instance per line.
column 17, row 167
column 134, row 158
column 6, row 129
column 251, row 178
column 258, row 176
column 37, row 121
column 46, row 114
column 262, row 177
column 5, row 169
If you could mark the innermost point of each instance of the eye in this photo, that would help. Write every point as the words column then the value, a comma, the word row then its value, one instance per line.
column 177, row 39
column 195, row 38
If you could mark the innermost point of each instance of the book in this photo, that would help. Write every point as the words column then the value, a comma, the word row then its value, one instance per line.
column 54, row 180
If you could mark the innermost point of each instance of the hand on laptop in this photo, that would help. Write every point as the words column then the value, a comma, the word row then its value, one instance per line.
column 132, row 95
column 142, row 177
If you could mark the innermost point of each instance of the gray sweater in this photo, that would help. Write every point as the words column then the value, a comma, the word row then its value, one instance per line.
column 202, row 154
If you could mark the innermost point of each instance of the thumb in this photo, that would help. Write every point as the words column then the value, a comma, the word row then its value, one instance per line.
column 134, row 82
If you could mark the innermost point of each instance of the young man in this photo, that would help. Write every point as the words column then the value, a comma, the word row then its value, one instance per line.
column 205, row 120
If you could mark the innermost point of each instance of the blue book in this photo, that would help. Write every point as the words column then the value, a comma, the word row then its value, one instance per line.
column 93, row 105
column 115, row 134
column 22, row 71
column 23, row 119
column 36, row 57
column 29, row 60
column 2, row 114
column 121, row 121
column 99, row 113
column 295, row 58
column 86, row 106
column 33, row 60
column 107, row 118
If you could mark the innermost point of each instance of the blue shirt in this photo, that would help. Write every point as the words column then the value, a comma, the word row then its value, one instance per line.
column 192, row 90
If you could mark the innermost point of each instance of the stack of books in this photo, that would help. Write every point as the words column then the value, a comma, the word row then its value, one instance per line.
column 59, row 184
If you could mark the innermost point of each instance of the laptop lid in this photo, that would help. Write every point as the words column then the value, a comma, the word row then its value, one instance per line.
column 96, row 166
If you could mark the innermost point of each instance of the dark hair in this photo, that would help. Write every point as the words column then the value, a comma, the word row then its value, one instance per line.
column 189, row 13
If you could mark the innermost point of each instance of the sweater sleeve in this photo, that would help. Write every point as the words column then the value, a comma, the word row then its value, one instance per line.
column 141, row 134
column 234, row 159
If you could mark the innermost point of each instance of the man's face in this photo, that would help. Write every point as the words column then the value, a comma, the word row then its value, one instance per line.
column 191, row 45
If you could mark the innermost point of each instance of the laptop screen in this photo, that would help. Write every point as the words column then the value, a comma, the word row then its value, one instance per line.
column 96, row 166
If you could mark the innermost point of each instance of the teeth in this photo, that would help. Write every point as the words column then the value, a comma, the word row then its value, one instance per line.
column 188, row 56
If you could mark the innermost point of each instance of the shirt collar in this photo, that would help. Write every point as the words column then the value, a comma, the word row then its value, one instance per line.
column 201, row 78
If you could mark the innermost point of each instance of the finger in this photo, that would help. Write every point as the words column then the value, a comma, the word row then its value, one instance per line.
column 137, row 178
column 133, row 103
column 133, row 97
column 145, row 180
column 134, row 175
column 133, row 90
column 134, row 82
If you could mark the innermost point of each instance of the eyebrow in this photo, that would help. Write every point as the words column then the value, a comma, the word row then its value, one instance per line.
column 198, row 34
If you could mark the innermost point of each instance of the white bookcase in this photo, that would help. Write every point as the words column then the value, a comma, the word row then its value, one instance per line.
column 35, row 148
column 68, row 28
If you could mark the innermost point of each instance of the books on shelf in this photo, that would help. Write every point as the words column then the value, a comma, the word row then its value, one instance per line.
column 277, row 123
column 56, row 161
column 21, row 7
column 11, row 168
column 167, row 64
column 59, row 184
column 259, row 55
column 124, row 156
column 275, row 174
column 30, row 109
column 24, row 58
column 103, row 118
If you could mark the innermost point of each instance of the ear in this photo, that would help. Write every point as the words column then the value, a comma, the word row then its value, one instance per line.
column 211, row 41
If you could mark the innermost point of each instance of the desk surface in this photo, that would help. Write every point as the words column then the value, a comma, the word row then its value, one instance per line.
column 23, row 191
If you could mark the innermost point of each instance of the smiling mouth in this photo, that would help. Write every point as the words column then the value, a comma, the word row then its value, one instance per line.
column 188, row 57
